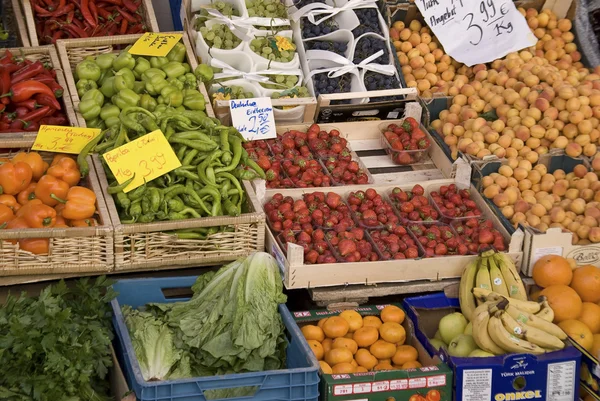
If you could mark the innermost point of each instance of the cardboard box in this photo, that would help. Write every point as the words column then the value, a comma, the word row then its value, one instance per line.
column 590, row 372
column 551, row 376
column 435, row 377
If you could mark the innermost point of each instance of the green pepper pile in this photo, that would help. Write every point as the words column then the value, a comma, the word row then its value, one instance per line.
column 110, row 83
column 208, row 183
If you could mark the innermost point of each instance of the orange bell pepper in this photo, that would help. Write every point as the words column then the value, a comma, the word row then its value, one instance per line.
column 84, row 223
column 16, row 224
column 10, row 201
column 60, row 221
column 80, row 204
column 6, row 214
column 49, row 188
column 40, row 216
column 14, row 177
column 26, row 208
column 37, row 246
column 35, row 161
column 65, row 169
column 58, row 158
column 27, row 194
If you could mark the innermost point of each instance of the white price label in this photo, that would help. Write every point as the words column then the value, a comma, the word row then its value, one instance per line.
column 477, row 31
column 253, row 118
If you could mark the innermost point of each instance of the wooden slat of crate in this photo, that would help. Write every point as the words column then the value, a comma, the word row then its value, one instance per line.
column 20, row 23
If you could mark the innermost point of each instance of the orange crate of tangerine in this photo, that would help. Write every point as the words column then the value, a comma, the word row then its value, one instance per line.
column 372, row 352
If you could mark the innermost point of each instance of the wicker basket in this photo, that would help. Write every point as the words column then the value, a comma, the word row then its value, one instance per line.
column 73, row 51
column 147, row 9
column 45, row 54
column 147, row 246
column 72, row 250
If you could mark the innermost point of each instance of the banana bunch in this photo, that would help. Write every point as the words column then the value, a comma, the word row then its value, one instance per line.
column 492, row 296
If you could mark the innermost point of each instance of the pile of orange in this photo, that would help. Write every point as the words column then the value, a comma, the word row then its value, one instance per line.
column 351, row 343
column 574, row 295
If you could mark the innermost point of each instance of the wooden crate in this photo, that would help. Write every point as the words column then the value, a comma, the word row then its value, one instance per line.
column 147, row 10
column 73, row 51
column 147, row 246
column 21, row 27
column 72, row 250
column 45, row 54
column 298, row 275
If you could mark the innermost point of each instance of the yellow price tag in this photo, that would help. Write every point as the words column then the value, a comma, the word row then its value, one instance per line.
column 53, row 138
column 155, row 44
column 147, row 157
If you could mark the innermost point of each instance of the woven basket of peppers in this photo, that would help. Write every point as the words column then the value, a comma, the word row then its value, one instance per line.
column 51, row 20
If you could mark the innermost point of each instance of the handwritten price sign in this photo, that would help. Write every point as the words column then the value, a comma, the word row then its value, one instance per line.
column 52, row 138
column 147, row 157
column 155, row 44
column 477, row 31
column 253, row 118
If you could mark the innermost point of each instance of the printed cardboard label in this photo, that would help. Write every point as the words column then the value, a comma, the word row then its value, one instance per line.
column 585, row 255
column 551, row 250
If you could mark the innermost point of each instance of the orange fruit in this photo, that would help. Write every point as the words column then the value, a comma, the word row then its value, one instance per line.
column 579, row 332
column 312, row 332
column 552, row 270
column 354, row 319
column 590, row 315
column 344, row 367
column 327, row 345
column 383, row 366
column 325, row 367
column 336, row 327
column 412, row 365
column 322, row 322
column 405, row 353
column 392, row 333
column 316, row 348
column 382, row 349
column 372, row 321
column 338, row 355
column 595, row 351
column 586, row 282
column 345, row 343
column 564, row 301
column 353, row 363
column 365, row 359
column 349, row 335
column 365, row 336
column 392, row 313
column 360, row 369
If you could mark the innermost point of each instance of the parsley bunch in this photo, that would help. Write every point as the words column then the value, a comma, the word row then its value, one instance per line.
column 56, row 347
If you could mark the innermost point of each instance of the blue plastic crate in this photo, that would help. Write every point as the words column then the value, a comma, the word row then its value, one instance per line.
column 300, row 381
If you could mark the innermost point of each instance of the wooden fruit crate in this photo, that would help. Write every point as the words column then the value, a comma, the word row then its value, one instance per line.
column 73, row 51
column 147, row 10
column 17, row 9
column 149, row 246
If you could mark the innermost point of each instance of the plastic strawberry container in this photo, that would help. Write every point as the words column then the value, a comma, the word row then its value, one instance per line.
column 283, row 244
column 420, row 251
column 403, row 157
column 340, row 258
column 444, row 217
column 362, row 167
column 323, row 171
column 456, row 226
column 396, row 204
column 425, row 247
column 378, row 226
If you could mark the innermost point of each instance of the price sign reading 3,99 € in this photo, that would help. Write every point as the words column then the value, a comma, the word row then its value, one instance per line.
column 147, row 157
column 477, row 31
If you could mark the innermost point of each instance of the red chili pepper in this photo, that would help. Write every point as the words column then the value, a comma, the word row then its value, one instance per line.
column 115, row 2
column 40, row 12
column 61, row 5
column 94, row 12
column 70, row 16
column 7, row 58
column 24, row 90
column 46, row 100
column 75, row 31
column 21, row 111
column 29, row 104
column 136, row 29
column 76, row 23
column 130, row 6
column 56, row 89
column 127, row 16
column 31, row 126
column 57, row 35
column 4, row 126
column 105, row 14
column 87, row 15
column 123, row 28
column 38, row 114
column 56, row 120
column 27, row 72
column 43, row 78
column 4, row 79
column 64, row 10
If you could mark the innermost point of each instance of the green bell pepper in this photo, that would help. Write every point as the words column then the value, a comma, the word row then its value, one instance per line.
column 189, row 81
column 148, row 102
column 172, row 96
column 108, row 87
column 141, row 65
column 194, row 101
column 173, row 69
column 176, row 83
column 112, row 121
column 88, row 69
column 95, row 123
column 139, row 87
column 151, row 72
column 204, row 73
column 105, row 75
column 124, row 60
column 108, row 111
column 177, row 53
column 94, row 95
column 129, row 96
column 155, row 85
column 121, row 82
column 105, row 61
column 89, row 109
column 85, row 85
column 157, row 62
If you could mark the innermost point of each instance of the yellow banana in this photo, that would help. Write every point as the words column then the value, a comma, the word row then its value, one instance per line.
column 546, row 313
column 534, row 321
column 486, row 295
column 482, row 280
column 465, row 296
column 531, row 334
column 507, row 341
column 512, row 279
column 480, row 330
column 498, row 284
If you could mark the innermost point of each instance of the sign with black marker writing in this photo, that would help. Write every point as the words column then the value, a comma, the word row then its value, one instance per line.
column 477, row 31
column 253, row 118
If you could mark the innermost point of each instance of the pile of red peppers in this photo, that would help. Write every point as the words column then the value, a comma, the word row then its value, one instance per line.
column 65, row 19
column 29, row 95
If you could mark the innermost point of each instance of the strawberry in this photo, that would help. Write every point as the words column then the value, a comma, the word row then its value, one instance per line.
column 333, row 200
column 346, row 247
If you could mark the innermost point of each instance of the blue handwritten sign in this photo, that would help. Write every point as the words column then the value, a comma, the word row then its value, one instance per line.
column 253, row 118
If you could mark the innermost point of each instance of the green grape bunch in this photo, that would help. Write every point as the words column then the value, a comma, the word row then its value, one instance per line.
column 231, row 92
column 280, row 81
column 224, row 8
column 294, row 93
column 274, row 48
column 219, row 36
column 266, row 8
